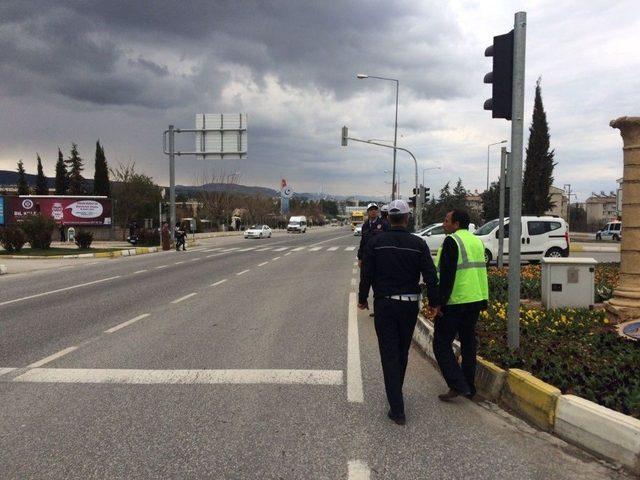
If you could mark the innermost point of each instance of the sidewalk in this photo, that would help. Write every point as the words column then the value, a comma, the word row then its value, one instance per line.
column 591, row 247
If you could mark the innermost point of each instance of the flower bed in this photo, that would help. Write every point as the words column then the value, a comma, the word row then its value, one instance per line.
column 606, row 279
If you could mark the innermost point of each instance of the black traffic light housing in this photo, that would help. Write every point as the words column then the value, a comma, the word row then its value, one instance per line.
column 426, row 194
column 411, row 201
column 501, row 78
column 345, row 134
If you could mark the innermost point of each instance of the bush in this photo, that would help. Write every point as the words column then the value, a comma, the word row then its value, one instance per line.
column 148, row 237
column 38, row 229
column 84, row 239
column 12, row 238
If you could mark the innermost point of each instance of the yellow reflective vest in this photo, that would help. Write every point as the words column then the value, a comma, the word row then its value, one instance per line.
column 471, row 283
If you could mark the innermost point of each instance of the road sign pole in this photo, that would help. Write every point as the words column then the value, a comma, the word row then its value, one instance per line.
column 503, row 163
column 515, row 206
column 172, row 180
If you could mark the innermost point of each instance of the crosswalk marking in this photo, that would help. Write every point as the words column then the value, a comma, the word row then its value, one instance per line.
column 298, row 249
column 230, row 249
column 246, row 249
column 264, row 249
column 212, row 249
column 281, row 249
column 350, row 249
column 315, row 249
column 332, row 249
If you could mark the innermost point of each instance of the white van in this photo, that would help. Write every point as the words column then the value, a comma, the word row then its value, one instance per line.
column 611, row 231
column 434, row 235
column 542, row 236
column 297, row 224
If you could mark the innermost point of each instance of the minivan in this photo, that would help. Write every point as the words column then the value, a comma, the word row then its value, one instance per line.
column 611, row 231
column 297, row 224
column 542, row 236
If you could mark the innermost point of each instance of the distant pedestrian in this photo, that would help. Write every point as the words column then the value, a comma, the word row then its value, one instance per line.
column 372, row 227
column 464, row 293
column 181, row 237
column 165, row 235
column 392, row 264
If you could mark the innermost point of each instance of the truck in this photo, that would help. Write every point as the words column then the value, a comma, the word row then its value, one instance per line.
column 357, row 218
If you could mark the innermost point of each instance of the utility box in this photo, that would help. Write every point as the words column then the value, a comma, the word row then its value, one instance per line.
column 568, row 282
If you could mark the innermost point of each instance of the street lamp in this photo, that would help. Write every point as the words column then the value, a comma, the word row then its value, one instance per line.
column 489, row 146
column 362, row 76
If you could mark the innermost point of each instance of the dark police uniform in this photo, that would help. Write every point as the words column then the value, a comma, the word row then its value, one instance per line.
column 370, row 230
column 392, row 265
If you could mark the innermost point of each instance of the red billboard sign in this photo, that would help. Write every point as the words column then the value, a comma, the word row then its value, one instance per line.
column 90, row 211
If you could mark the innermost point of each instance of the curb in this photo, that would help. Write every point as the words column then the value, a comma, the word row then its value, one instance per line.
column 490, row 379
column 3, row 269
column 594, row 249
column 530, row 397
column 117, row 253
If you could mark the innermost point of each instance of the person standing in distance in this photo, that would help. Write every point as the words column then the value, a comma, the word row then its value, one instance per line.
column 464, row 292
column 384, row 213
column 372, row 227
column 392, row 265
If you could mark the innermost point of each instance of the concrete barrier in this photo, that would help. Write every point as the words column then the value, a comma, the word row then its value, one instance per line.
column 602, row 431
column 531, row 398
column 489, row 379
column 593, row 248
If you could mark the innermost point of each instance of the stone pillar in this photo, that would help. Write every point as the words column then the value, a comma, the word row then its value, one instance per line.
column 625, row 304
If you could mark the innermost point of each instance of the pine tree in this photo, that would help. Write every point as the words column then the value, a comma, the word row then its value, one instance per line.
column 76, row 180
column 62, row 180
column 538, row 173
column 22, row 184
column 41, row 181
column 101, row 185
column 459, row 196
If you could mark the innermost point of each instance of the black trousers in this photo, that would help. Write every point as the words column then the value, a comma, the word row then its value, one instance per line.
column 394, row 321
column 457, row 320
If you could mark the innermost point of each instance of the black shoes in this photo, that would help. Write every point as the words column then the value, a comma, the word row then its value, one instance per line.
column 398, row 419
column 451, row 394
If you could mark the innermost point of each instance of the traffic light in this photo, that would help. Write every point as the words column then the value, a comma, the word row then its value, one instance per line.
column 501, row 78
column 426, row 194
column 345, row 134
column 412, row 200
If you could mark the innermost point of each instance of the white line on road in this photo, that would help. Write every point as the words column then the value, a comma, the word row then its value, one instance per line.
column 242, row 272
column 264, row 249
column 59, row 290
column 280, row 249
column 358, row 470
column 262, row 264
column 330, row 240
column 287, row 254
column 184, row 298
column 350, row 249
column 332, row 249
column 141, row 271
column 230, row 249
column 354, row 282
column 298, row 249
column 212, row 249
column 354, row 370
column 178, row 263
column 218, row 282
column 274, row 259
column 161, row 266
column 51, row 358
column 354, row 271
column 130, row 376
column 315, row 249
column 6, row 370
column 214, row 255
column 127, row 323
column 246, row 249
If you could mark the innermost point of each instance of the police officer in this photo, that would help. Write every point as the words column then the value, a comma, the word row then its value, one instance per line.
column 464, row 292
column 392, row 264
column 373, row 226
column 384, row 213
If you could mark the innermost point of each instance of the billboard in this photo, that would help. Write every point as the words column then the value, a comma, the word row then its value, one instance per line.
column 89, row 211
column 1, row 210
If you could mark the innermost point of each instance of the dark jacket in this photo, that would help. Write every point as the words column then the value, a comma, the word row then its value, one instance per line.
column 392, row 264
column 370, row 230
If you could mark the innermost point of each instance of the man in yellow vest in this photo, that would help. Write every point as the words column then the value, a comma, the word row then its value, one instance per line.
column 464, row 292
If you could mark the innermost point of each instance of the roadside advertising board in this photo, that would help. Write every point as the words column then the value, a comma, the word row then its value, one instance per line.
column 89, row 211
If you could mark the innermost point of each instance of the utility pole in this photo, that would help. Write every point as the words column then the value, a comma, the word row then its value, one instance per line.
column 172, row 181
column 503, row 164
column 567, row 188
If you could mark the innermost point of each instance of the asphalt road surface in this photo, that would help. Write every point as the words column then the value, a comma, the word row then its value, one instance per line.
column 238, row 359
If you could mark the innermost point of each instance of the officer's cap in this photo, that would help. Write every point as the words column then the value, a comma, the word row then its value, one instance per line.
column 384, row 208
column 398, row 207
column 372, row 205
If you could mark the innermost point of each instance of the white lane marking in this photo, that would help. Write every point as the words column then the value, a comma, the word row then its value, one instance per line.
column 59, row 290
column 140, row 271
column 130, row 376
column 358, row 470
column 214, row 255
column 354, row 282
column 6, row 370
column 212, row 249
column 194, row 259
column 315, row 249
column 161, row 266
column 247, row 249
column 354, row 370
column 218, row 282
column 242, row 272
column 274, row 259
column 287, row 254
column 280, row 249
column 298, row 249
column 330, row 240
column 332, row 249
column 264, row 249
column 127, row 323
column 350, row 249
column 181, row 299
column 230, row 249
column 51, row 358
column 178, row 263
column 262, row 264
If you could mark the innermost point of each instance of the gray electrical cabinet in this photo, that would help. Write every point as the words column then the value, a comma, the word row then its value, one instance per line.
column 568, row 282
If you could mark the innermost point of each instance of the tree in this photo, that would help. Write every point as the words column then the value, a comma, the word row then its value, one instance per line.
column 101, row 185
column 538, row 173
column 22, row 184
column 577, row 218
column 62, row 180
column 41, row 182
column 135, row 195
column 459, row 200
column 76, row 180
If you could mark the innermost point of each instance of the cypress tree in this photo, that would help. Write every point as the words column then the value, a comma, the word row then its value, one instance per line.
column 62, row 181
column 23, row 185
column 41, row 181
column 538, row 173
column 76, row 180
column 101, row 184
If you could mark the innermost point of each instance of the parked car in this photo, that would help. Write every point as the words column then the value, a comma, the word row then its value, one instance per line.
column 434, row 235
column 358, row 230
column 542, row 236
column 611, row 231
column 297, row 224
column 258, row 231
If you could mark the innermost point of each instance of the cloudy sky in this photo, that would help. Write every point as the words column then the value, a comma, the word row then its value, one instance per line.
column 121, row 71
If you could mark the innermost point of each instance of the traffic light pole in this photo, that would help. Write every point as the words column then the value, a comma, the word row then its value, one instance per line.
column 515, row 163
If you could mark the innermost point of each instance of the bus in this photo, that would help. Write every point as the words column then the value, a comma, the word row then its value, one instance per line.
column 357, row 217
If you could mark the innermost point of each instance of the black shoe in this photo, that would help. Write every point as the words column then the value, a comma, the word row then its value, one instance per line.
column 471, row 395
column 450, row 395
column 398, row 419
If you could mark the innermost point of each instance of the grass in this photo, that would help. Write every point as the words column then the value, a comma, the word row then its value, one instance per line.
column 25, row 252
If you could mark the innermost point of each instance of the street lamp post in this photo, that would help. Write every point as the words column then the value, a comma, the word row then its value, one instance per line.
column 362, row 76
column 488, row 147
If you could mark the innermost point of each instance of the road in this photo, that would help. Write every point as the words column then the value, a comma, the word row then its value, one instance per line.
column 238, row 359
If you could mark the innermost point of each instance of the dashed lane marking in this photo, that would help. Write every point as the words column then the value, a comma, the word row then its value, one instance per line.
column 141, row 271
column 315, row 249
column 264, row 249
column 274, row 259
column 127, row 323
column 182, row 299
column 298, row 249
column 161, row 266
column 51, row 358
column 242, row 272
column 280, row 249
column 358, row 470
column 6, row 370
column 218, row 282
column 355, row 391
column 350, row 249
column 332, row 249
column 262, row 264
column 247, row 249
column 73, row 287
